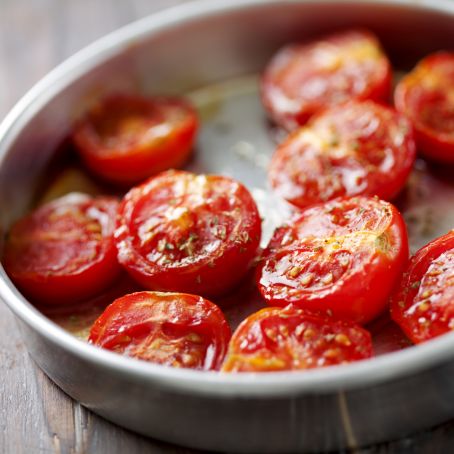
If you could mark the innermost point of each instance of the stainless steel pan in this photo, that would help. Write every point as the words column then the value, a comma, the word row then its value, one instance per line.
column 183, row 50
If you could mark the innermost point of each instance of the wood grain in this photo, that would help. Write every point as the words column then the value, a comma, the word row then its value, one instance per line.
column 36, row 416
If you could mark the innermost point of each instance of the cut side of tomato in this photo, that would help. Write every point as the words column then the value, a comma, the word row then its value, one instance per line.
column 173, row 329
column 426, row 97
column 303, row 79
column 279, row 339
column 125, row 139
column 189, row 233
column 64, row 251
column 341, row 258
column 359, row 148
column 423, row 306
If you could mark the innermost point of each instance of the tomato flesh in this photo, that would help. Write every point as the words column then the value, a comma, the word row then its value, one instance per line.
column 359, row 148
column 125, row 139
column 426, row 97
column 181, row 232
column 303, row 79
column 64, row 251
column 276, row 339
column 173, row 329
column 423, row 306
column 340, row 258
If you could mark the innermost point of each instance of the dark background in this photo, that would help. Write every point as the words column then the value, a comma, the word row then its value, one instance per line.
column 35, row 416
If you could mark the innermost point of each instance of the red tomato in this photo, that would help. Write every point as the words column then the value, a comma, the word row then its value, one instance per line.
column 423, row 305
column 426, row 97
column 189, row 233
column 125, row 139
column 174, row 329
column 64, row 251
column 359, row 148
column 303, row 79
column 342, row 258
column 276, row 339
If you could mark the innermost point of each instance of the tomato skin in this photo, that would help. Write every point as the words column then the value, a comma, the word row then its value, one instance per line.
column 64, row 251
column 303, row 79
column 188, row 233
column 341, row 258
column 423, row 304
column 173, row 329
column 125, row 139
column 426, row 97
column 278, row 339
column 357, row 148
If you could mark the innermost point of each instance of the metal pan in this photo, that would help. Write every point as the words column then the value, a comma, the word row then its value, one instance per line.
column 205, row 48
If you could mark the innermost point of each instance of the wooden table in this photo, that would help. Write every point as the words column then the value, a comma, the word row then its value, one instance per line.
column 36, row 416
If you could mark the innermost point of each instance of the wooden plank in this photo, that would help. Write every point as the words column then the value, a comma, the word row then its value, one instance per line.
column 26, row 47
column 32, row 409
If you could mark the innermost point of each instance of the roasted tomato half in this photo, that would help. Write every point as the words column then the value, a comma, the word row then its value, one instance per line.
column 174, row 329
column 125, row 139
column 303, row 79
column 423, row 305
column 188, row 233
column 426, row 97
column 341, row 258
column 276, row 339
column 359, row 148
column 64, row 251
